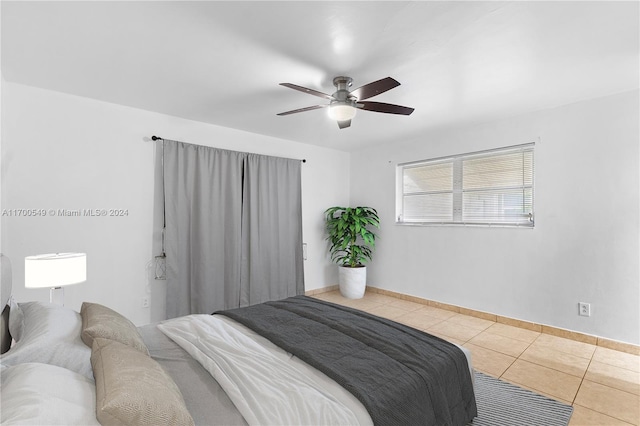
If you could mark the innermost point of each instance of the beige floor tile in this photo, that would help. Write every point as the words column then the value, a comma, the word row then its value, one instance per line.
column 612, row 402
column 615, row 377
column 386, row 311
column 432, row 311
column 585, row 417
column 543, row 379
column 418, row 319
column 362, row 304
column 552, row 358
column 584, row 350
column 380, row 298
column 445, row 337
column 471, row 322
column 331, row 296
column 405, row 304
column 512, row 332
column 498, row 343
column 457, row 331
column 490, row 362
column 618, row 359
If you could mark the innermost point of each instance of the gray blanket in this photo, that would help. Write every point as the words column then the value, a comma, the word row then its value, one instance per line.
column 401, row 375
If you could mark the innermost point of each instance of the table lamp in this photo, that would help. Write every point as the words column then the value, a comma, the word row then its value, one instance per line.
column 55, row 271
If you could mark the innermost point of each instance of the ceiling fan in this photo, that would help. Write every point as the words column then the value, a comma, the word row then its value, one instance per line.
column 344, row 104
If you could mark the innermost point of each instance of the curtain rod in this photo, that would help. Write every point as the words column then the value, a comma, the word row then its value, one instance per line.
column 158, row 138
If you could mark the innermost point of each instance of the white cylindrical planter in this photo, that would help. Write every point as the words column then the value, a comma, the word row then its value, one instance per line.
column 353, row 281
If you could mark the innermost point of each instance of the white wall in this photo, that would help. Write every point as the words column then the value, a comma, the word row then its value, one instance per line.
column 61, row 151
column 585, row 245
column 67, row 152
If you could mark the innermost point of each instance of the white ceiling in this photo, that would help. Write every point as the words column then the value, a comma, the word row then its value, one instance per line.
column 221, row 62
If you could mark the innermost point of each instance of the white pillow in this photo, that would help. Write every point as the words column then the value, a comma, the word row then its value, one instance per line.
column 50, row 334
column 42, row 394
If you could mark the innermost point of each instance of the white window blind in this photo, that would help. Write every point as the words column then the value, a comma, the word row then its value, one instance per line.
column 484, row 188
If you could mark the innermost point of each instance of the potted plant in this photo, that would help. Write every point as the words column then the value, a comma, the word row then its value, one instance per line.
column 351, row 244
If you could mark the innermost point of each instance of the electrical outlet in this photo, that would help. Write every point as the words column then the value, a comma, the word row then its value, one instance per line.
column 584, row 309
column 304, row 251
column 145, row 302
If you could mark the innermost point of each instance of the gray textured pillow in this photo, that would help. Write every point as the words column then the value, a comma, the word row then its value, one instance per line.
column 100, row 321
column 133, row 389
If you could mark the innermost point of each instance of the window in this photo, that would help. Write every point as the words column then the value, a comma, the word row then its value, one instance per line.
column 482, row 188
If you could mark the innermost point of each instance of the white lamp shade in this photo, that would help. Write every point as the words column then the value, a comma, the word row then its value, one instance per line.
column 55, row 270
column 342, row 112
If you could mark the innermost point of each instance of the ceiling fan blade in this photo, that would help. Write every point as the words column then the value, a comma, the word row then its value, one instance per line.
column 343, row 124
column 372, row 89
column 386, row 108
column 306, row 90
column 303, row 109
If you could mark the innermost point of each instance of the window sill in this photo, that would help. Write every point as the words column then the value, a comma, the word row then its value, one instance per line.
column 467, row 224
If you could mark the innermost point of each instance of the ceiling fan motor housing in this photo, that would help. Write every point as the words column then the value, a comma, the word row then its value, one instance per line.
column 342, row 84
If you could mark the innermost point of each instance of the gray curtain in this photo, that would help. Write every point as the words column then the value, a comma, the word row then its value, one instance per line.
column 233, row 232
column 271, row 230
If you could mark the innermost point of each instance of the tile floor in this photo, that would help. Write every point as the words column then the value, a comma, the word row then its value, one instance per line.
column 603, row 385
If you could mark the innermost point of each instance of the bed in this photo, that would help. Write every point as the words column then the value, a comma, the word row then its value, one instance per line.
column 115, row 373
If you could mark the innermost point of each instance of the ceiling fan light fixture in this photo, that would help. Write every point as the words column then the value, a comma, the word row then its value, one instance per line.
column 344, row 103
column 342, row 111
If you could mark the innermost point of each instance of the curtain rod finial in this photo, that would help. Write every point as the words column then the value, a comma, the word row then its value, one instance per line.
column 155, row 138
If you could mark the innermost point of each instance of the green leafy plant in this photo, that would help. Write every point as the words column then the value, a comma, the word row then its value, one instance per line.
column 350, row 235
